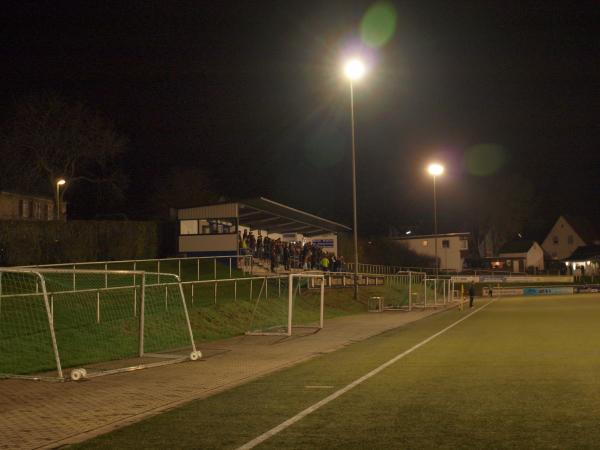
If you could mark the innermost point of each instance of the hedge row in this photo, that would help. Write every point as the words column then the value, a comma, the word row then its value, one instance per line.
column 27, row 243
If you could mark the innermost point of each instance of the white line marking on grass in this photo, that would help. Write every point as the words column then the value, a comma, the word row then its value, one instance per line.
column 282, row 426
column 318, row 387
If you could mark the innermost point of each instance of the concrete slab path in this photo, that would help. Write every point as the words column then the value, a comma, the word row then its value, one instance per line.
column 37, row 415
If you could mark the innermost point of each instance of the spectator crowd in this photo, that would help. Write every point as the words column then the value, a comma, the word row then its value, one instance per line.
column 290, row 255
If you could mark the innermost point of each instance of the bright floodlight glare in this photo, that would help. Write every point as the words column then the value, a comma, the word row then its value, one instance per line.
column 61, row 182
column 354, row 69
column 435, row 169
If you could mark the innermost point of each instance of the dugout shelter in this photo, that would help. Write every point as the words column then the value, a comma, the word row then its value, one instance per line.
column 212, row 230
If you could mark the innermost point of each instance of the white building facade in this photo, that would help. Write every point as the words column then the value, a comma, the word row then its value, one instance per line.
column 452, row 248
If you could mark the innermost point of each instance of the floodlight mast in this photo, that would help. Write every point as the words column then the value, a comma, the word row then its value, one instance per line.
column 354, row 71
column 435, row 170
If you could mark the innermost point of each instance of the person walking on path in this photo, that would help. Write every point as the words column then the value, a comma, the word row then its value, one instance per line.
column 471, row 294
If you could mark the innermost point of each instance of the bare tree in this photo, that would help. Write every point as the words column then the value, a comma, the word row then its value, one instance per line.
column 50, row 138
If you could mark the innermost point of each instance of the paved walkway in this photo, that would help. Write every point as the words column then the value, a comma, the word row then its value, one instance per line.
column 47, row 415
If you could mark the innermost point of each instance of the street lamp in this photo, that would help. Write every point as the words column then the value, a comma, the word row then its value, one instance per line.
column 435, row 170
column 60, row 182
column 354, row 71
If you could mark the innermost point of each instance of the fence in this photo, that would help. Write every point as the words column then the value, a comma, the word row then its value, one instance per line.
column 187, row 269
column 381, row 269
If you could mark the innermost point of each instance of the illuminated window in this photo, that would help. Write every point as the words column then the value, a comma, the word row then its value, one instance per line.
column 207, row 226
column 424, row 243
column 187, row 227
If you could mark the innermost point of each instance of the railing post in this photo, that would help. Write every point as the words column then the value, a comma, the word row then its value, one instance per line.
column 230, row 270
column 215, row 268
column 215, row 291
column 409, row 291
column 105, row 275
column 322, row 304
column 97, row 306
column 142, row 315
column 179, row 268
column 74, row 282
column 198, row 269
column 290, row 303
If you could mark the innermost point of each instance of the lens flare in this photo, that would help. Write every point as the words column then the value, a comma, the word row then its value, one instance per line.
column 485, row 159
column 378, row 24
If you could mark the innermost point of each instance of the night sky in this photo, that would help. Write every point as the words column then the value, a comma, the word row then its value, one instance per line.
column 252, row 93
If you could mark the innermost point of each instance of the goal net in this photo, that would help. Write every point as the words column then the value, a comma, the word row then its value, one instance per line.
column 90, row 322
column 302, row 308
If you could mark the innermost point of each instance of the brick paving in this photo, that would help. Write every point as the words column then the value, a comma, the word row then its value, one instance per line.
column 47, row 415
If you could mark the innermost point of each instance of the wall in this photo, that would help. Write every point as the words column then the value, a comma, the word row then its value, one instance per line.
column 28, row 243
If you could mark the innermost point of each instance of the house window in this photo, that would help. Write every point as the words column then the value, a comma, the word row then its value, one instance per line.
column 424, row 243
column 187, row 227
column 570, row 239
column 555, row 239
column 446, row 243
column 464, row 244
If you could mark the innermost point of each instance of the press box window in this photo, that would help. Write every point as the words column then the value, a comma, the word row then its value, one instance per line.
column 446, row 243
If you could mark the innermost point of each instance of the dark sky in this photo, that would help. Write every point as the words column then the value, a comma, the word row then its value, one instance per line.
column 251, row 92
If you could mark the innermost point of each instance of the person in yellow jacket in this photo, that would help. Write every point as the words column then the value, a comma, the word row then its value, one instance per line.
column 325, row 263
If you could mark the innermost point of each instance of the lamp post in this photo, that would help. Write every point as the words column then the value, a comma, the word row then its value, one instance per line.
column 354, row 71
column 60, row 182
column 435, row 170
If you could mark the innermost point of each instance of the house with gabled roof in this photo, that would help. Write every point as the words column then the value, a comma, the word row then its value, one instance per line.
column 568, row 234
column 522, row 255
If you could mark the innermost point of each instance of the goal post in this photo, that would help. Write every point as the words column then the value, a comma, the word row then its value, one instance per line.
column 94, row 322
column 293, row 291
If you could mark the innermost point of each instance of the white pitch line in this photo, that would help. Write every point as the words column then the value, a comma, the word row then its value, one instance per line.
column 282, row 426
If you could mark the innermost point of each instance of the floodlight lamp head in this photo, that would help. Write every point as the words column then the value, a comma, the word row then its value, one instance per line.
column 61, row 182
column 435, row 169
column 354, row 69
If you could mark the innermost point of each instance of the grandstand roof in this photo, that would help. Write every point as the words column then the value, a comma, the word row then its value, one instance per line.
column 262, row 213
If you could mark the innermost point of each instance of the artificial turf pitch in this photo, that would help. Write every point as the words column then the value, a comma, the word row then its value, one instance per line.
column 520, row 373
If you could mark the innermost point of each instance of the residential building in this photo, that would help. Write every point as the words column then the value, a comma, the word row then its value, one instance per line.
column 521, row 255
column 452, row 248
column 585, row 261
column 15, row 206
column 568, row 234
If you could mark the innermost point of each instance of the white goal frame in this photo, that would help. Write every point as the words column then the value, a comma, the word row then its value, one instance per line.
column 290, row 313
column 77, row 373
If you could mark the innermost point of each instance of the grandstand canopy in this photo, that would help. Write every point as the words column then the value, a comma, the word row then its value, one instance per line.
column 262, row 213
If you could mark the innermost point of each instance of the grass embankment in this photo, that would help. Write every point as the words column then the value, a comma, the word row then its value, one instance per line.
column 103, row 325
column 521, row 373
